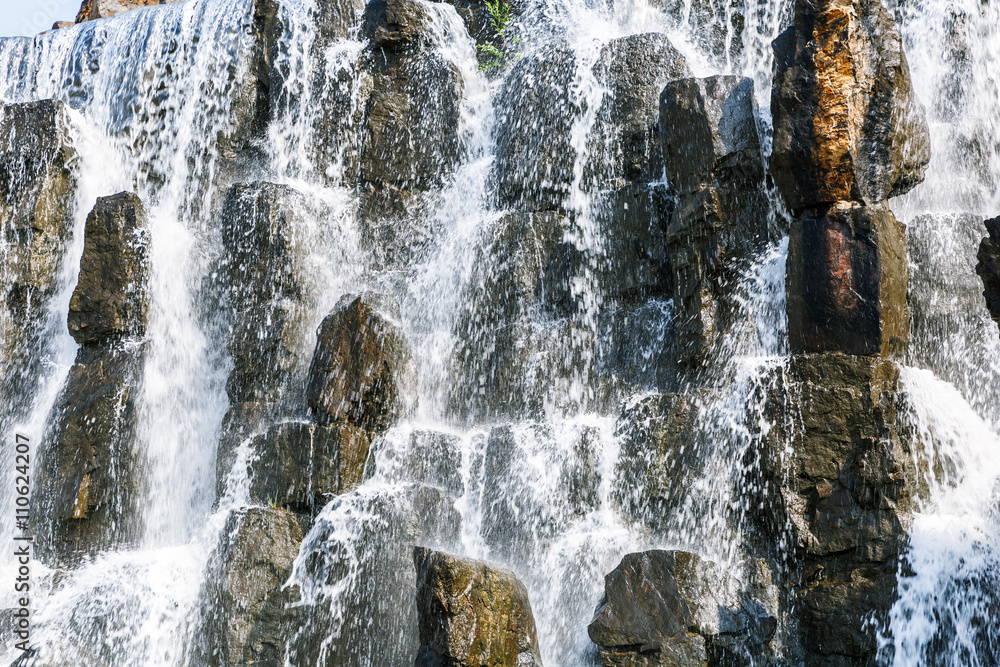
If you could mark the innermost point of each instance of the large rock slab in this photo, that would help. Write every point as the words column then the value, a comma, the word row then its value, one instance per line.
column 472, row 614
column 841, row 472
column 89, row 475
column 626, row 135
column 988, row 267
column 301, row 465
column 362, row 370
column 111, row 298
column 712, row 157
column 248, row 617
column 846, row 282
column 262, row 232
column 846, row 124
column 675, row 608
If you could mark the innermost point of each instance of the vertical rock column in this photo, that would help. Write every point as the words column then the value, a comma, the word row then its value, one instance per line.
column 713, row 160
column 848, row 135
column 37, row 197
column 89, row 473
column 842, row 476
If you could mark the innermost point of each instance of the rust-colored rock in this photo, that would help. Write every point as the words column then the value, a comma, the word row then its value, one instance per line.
column 362, row 369
column 846, row 124
column 846, row 282
column 472, row 614
column 102, row 9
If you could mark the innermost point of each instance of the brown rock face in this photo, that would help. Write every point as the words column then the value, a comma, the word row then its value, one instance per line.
column 988, row 267
column 846, row 124
column 472, row 614
column 111, row 296
column 846, row 282
column 102, row 9
column 361, row 370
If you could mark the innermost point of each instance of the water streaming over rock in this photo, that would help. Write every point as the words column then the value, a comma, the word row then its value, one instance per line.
column 515, row 224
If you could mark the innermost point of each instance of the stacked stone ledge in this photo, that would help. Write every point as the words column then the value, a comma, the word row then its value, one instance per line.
column 89, row 474
column 848, row 134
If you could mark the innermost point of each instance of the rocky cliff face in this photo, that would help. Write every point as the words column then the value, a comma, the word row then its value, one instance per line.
column 380, row 295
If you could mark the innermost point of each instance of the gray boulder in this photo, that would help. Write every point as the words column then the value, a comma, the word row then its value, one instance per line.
column 472, row 614
column 847, row 126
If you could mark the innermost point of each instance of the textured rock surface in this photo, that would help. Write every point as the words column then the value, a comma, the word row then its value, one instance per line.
column 472, row 614
column 300, row 465
column 89, row 475
column 846, row 124
column 846, row 282
column 988, row 267
column 626, row 135
column 362, row 370
column 674, row 608
column 712, row 157
column 111, row 296
column 248, row 616
column 846, row 489
column 259, row 225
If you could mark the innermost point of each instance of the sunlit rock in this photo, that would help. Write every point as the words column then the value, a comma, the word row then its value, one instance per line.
column 847, row 280
column 362, row 370
column 472, row 614
column 846, row 124
column 248, row 616
column 111, row 298
column 102, row 9
column 675, row 608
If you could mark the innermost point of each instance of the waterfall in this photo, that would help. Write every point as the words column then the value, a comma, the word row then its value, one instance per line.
column 540, row 326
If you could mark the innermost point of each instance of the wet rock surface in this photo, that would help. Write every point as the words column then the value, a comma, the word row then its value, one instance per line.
column 988, row 267
column 249, row 616
column 90, row 475
column 472, row 614
column 847, row 490
column 846, row 282
column 111, row 296
column 675, row 608
column 362, row 370
column 713, row 159
column 846, row 124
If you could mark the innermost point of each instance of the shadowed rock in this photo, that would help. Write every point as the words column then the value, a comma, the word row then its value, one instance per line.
column 111, row 296
column 675, row 608
column 846, row 282
column 472, row 614
column 846, row 124
column 988, row 267
column 362, row 370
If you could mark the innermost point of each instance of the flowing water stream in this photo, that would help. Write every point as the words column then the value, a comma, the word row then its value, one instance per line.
column 154, row 97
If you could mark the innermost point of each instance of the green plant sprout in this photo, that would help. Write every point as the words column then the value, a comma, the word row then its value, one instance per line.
column 272, row 500
column 500, row 18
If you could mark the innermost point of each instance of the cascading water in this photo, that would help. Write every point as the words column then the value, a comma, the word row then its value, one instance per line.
column 516, row 451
